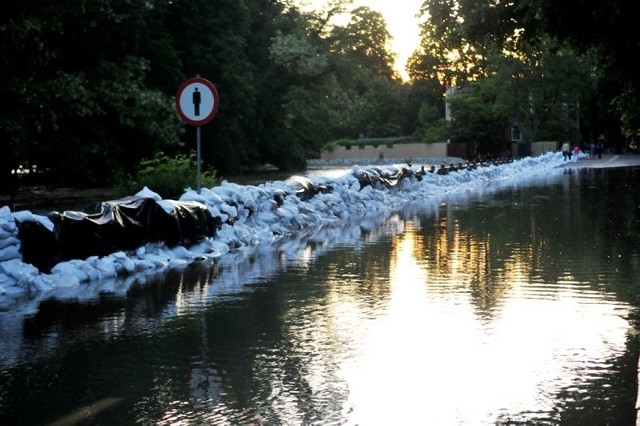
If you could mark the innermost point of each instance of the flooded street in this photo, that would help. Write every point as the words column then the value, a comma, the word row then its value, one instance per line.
column 509, row 305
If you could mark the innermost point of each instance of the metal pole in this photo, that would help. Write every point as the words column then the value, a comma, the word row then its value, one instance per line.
column 198, row 158
column 198, row 154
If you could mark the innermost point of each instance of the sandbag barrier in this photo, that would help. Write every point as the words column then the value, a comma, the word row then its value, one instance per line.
column 123, row 225
column 126, row 224
column 388, row 178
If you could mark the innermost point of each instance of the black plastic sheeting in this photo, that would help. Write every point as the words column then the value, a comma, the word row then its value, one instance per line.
column 112, row 226
column 305, row 189
column 375, row 176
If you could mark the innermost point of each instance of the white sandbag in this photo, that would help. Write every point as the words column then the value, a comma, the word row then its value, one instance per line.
column 9, row 253
column 26, row 216
column 147, row 193
column 7, row 240
column 18, row 270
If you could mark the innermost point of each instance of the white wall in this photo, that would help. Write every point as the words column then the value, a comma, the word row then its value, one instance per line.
column 404, row 151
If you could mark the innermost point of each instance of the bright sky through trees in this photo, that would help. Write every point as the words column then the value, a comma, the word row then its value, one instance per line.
column 402, row 24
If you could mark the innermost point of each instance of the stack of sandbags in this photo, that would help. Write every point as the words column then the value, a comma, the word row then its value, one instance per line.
column 9, row 241
column 9, row 246
column 16, row 276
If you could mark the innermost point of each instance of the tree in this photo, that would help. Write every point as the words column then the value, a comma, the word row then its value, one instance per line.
column 75, row 89
column 543, row 91
column 292, row 64
column 426, row 103
column 89, row 87
column 540, row 92
column 213, row 38
column 446, row 52
column 606, row 29
column 364, row 41
column 537, row 84
column 478, row 120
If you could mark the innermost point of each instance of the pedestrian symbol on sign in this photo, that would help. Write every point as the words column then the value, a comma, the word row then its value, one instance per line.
column 196, row 101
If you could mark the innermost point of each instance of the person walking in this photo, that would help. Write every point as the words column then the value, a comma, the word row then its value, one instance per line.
column 566, row 151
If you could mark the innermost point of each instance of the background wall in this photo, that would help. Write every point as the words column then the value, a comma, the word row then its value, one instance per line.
column 407, row 151
column 404, row 151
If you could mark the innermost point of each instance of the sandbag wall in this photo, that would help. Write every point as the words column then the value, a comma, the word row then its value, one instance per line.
column 129, row 223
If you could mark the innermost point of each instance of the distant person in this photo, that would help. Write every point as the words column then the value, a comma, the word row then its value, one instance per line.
column 600, row 145
column 566, row 151
column 592, row 149
column 576, row 151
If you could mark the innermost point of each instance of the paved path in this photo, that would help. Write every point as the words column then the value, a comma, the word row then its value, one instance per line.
column 607, row 160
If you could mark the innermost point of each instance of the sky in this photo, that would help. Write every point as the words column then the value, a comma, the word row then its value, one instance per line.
column 402, row 24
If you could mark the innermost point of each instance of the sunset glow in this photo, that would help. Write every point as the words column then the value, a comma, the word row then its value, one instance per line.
column 402, row 24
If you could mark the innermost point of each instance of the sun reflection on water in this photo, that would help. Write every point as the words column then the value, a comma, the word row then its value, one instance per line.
column 461, row 341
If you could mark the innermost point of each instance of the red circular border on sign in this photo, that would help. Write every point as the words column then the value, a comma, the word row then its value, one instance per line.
column 214, row 92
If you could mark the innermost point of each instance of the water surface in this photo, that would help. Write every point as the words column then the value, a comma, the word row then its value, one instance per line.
column 509, row 306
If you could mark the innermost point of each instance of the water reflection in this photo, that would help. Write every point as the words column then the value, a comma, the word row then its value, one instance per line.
column 443, row 351
column 513, row 306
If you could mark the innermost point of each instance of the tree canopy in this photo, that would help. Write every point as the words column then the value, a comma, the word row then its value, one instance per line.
column 89, row 86
column 461, row 37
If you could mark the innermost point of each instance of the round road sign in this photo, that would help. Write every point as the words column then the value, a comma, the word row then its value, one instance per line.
column 197, row 101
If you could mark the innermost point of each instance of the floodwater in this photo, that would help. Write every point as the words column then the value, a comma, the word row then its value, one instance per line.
column 516, row 305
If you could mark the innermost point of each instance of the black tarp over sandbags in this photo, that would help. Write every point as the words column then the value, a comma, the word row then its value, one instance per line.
column 38, row 245
column 305, row 189
column 112, row 226
column 187, row 223
column 104, row 228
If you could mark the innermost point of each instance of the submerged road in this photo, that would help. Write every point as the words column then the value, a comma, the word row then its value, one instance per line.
column 608, row 161
column 613, row 160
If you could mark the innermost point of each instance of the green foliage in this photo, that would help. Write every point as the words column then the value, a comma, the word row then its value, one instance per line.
column 434, row 132
column 364, row 40
column 478, row 119
column 432, row 126
column 336, row 143
column 167, row 176
column 540, row 92
column 88, row 87
column 295, row 53
column 541, row 39
column 79, row 104
column 448, row 52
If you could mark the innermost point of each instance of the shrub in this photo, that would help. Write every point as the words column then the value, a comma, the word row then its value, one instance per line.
column 167, row 176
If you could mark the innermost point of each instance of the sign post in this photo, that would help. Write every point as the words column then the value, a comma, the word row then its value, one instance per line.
column 197, row 104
